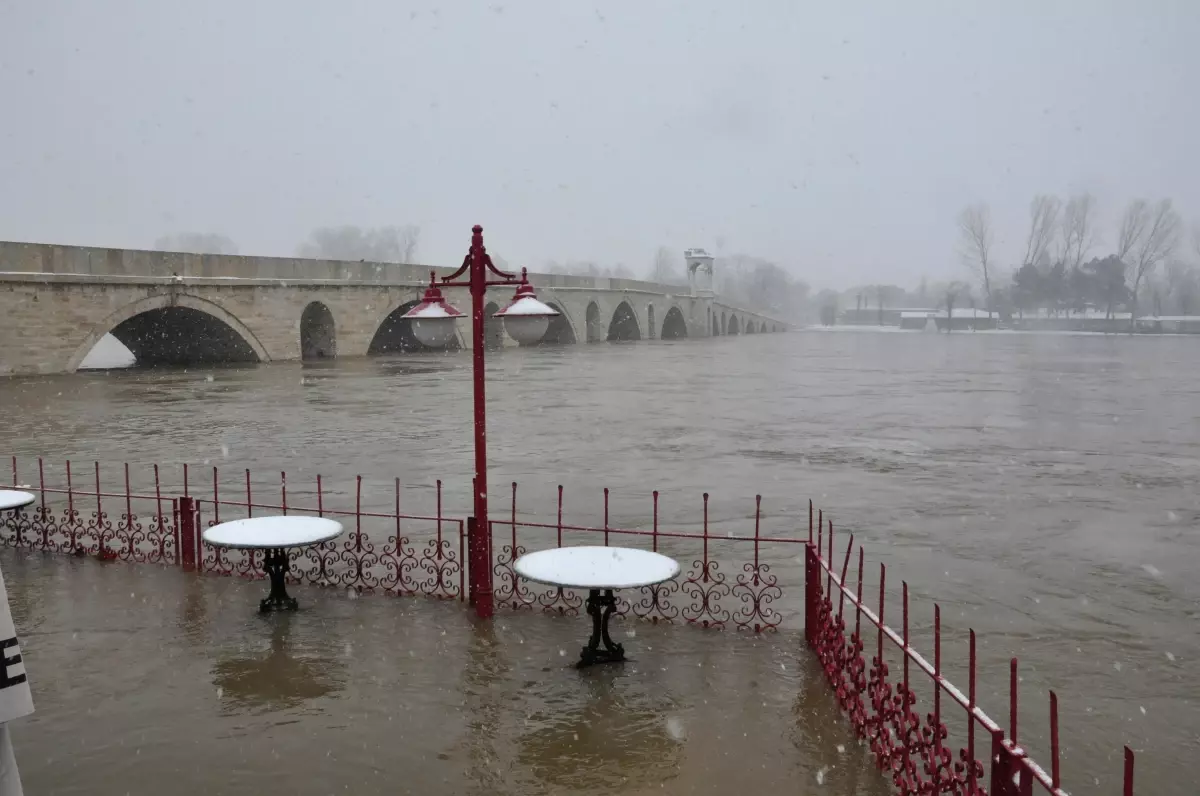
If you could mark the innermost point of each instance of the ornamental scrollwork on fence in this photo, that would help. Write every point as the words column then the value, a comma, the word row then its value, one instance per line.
column 654, row 603
column 440, row 564
column 40, row 528
column 706, row 586
column 510, row 589
column 757, row 588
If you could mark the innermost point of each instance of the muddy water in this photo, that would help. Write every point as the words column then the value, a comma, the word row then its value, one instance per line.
column 1041, row 488
column 149, row 681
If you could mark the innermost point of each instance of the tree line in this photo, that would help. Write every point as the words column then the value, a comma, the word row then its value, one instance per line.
column 388, row 244
column 1066, row 267
column 743, row 280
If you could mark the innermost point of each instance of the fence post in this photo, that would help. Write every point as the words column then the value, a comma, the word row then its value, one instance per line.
column 1004, row 767
column 812, row 594
column 479, row 564
column 187, row 533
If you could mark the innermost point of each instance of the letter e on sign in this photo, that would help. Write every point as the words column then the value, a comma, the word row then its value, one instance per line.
column 16, row 700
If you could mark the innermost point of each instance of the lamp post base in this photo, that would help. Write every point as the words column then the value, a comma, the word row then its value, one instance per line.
column 600, row 608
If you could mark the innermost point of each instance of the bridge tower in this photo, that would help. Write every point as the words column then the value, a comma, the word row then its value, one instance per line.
column 700, row 272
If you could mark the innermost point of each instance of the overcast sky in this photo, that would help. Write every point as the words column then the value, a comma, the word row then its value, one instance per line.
column 840, row 142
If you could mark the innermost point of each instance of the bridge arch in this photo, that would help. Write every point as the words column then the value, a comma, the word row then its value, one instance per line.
column 561, row 330
column 650, row 327
column 674, row 325
column 724, row 327
column 595, row 331
column 395, row 335
column 733, row 324
column 750, row 327
column 624, row 324
column 175, row 328
column 318, row 332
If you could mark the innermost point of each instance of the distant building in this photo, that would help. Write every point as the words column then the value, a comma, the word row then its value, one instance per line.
column 964, row 319
column 873, row 316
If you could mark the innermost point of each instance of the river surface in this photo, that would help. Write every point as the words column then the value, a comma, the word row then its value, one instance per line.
column 1041, row 488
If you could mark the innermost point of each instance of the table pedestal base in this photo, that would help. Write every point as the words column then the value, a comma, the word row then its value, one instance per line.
column 276, row 565
column 600, row 608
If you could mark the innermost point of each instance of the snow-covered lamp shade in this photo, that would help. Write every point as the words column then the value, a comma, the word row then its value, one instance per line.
column 433, row 320
column 526, row 319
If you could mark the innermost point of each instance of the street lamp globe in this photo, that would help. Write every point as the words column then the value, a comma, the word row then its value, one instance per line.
column 526, row 319
column 433, row 320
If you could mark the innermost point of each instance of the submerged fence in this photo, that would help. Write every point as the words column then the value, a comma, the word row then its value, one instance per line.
column 914, row 750
column 748, row 580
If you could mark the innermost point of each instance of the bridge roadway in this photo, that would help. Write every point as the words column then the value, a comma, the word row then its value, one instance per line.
column 56, row 302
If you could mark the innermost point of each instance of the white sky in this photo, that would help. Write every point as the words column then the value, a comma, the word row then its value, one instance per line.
column 840, row 139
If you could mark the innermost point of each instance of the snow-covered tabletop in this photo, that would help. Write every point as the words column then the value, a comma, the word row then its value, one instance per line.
column 596, row 567
column 11, row 499
column 273, row 533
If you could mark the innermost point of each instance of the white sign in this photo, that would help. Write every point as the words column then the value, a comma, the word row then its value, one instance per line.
column 16, row 700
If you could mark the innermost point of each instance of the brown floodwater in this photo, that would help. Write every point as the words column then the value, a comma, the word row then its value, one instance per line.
column 1041, row 488
column 147, row 680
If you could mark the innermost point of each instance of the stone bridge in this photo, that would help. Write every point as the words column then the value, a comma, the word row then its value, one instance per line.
column 56, row 302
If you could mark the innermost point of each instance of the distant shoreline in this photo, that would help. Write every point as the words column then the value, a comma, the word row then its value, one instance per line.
column 1126, row 332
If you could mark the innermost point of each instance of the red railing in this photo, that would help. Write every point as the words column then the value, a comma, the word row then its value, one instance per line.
column 914, row 751
column 391, row 552
column 701, row 594
column 77, row 517
column 383, row 550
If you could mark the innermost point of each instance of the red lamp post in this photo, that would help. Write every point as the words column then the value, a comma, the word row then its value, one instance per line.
column 433, row 321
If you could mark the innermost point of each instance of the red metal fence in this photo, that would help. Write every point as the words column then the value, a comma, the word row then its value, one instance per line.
column 384, row 550
column 109, row 520
column 727, row 581
column 702, row 594
column 914, row 750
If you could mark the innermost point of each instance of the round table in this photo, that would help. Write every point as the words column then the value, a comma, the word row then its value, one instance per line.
column 597, row 569
column 276, row 535
column 14, row 499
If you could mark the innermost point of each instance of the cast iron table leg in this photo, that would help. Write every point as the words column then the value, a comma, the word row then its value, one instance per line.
column 276, row 565
column 600, row 608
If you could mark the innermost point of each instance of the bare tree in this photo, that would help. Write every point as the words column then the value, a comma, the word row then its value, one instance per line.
column 1043, row 228
column 1077, row 232
column 1157, row 242
column 408, row 238
column 196, row 243
column 1182, row 285
column 975, row 243
column 1133, row 227
column 663, row 271
column 379, row 245
column 582, row 268
column 953, row 291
